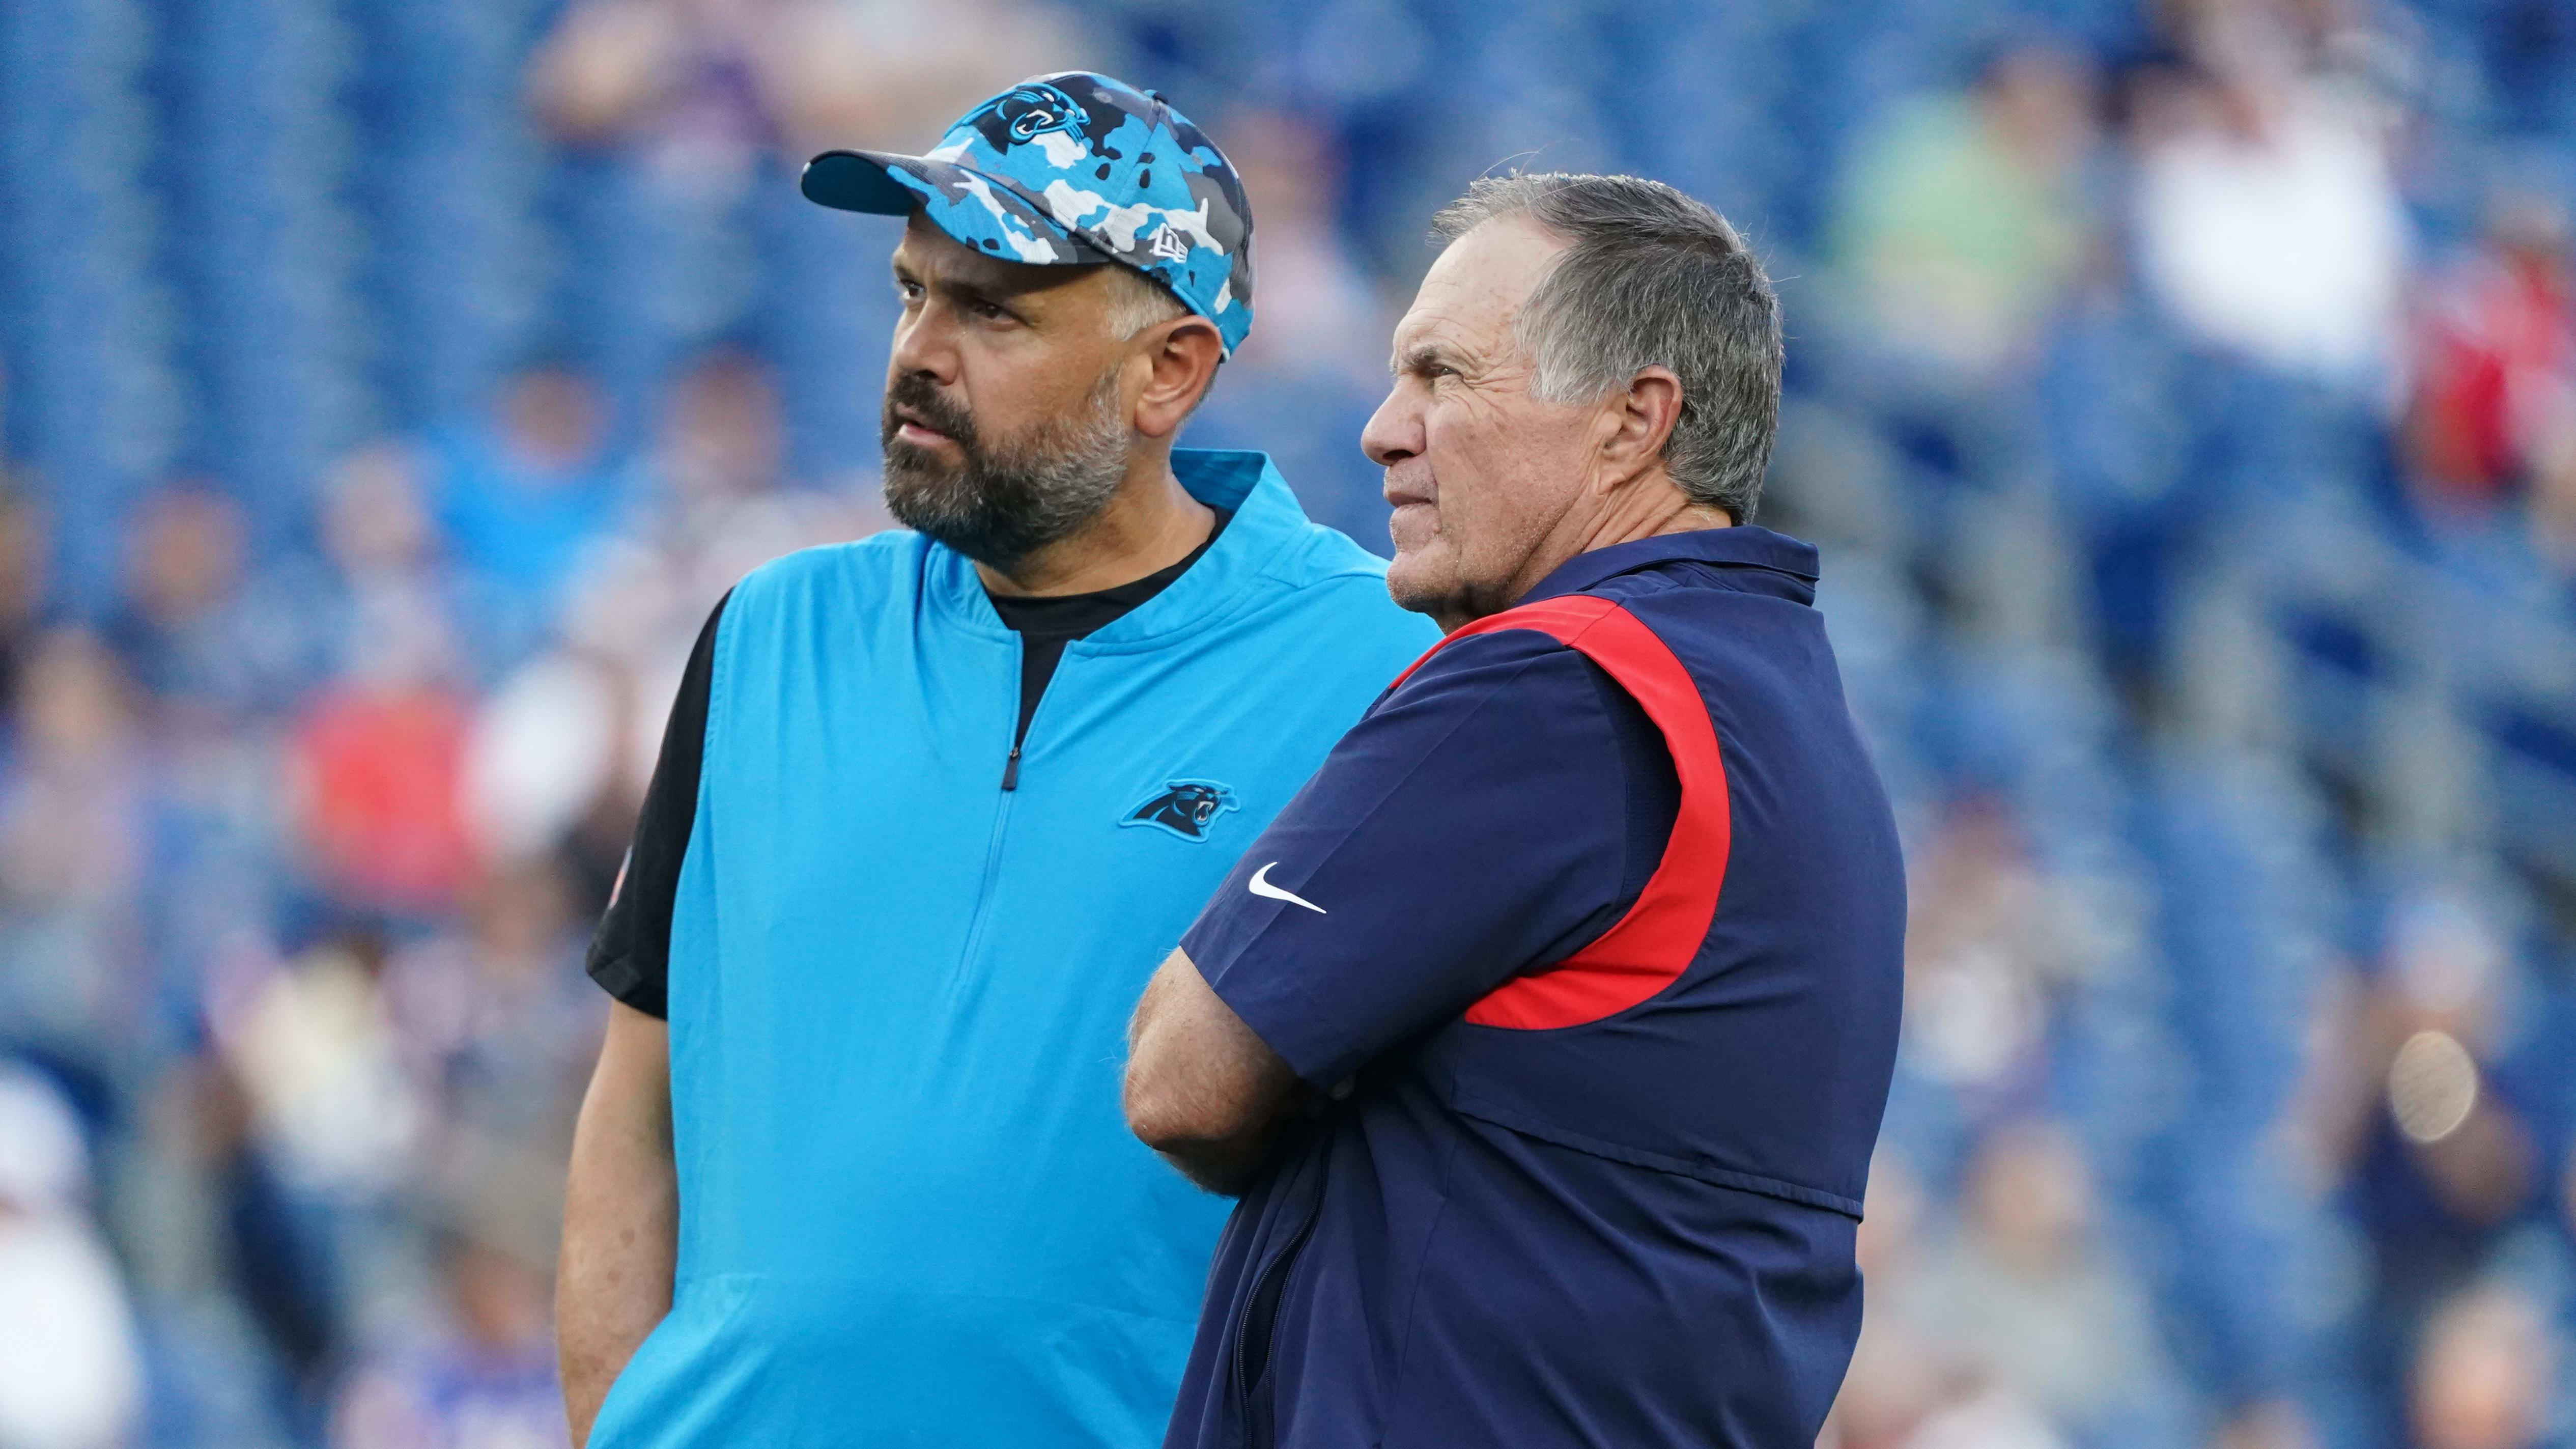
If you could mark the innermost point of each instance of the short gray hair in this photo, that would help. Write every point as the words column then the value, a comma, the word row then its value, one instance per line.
column 1650, row 278
column 1137, row 301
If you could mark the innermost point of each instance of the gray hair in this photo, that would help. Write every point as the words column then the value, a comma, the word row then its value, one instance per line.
column 1650, row 278
column 1137, row 301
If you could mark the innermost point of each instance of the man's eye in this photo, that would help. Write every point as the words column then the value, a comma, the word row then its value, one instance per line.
column 989, row 311
column 908, row 291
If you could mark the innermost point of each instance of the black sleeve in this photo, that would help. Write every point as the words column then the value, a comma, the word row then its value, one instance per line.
column 630, row 955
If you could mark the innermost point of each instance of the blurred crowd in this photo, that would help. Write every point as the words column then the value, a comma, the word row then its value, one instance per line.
column 2183, row 393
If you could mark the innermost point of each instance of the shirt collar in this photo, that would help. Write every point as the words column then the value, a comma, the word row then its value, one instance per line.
column 1743, row 546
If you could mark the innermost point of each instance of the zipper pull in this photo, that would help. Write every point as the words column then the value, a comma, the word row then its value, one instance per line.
column 1011, row 770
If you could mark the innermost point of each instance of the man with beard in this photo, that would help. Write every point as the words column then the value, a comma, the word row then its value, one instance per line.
column 930, row 806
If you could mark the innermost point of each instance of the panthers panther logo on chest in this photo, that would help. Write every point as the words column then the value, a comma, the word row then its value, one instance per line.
column 1185, row 807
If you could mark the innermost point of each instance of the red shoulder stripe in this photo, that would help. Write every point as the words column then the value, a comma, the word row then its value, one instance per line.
column 1650, row 946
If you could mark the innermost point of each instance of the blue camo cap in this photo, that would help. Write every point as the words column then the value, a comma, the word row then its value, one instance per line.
column 1069, row 169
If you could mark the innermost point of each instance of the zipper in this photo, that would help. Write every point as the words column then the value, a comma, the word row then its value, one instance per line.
column 1024, row 712
column 1002, row 816
column 984, row 889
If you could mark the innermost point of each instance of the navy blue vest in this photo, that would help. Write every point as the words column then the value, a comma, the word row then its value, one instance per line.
column 1614, row 1202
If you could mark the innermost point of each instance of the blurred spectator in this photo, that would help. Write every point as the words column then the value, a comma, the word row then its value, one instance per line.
column 395, row 597
column 2550, row 509
column 684, row 79
column 681, row 122
column 2017, row 1335
column 22, row 590
column 2482, row 1378
column 1898, row 1377
column 377, row 763
column 2267, row 218
column 719, row 441
column 2416, row 1123
column 2420, row 1118
column 708, row 85
column 542, row 751
column 312, row 1042
column 482, row 1378
column 562, row 747
column 73, row 820
column 196, row 627
column 1314, row 365
column 2029, row 1301
column 1990, row 1418
column 1318, row 310
column 71, row 1371
column 497, row 1027
column 519, row 496
column 2269, row 1424
column 717, row 460
column 1989, row 949
column 1962, row 218
column 24, row 543
column 2520, row 550
column 2495, row 359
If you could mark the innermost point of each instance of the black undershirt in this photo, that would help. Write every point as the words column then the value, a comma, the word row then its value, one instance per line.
column 631, row 952
column 1047, row 623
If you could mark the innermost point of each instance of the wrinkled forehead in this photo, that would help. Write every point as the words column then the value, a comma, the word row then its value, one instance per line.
column 1477, row 288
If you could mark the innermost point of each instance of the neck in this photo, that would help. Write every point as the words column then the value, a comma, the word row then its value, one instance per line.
column 1151, row 523
column 1647, row 506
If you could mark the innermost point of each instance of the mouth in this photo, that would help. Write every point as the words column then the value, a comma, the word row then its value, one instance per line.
column 1413, row 519
column 1405, row 494
column 912, row 429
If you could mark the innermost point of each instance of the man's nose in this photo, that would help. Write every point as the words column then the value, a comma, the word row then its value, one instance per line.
column 924, row 344
column 1394, row 431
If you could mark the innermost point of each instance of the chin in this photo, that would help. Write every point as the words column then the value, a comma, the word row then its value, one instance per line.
column 919, row 467
column 1419, row 584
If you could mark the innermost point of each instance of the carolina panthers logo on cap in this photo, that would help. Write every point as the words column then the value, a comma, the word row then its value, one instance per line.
column 1184, row 808
column 1029, row 111
column 1069, row 169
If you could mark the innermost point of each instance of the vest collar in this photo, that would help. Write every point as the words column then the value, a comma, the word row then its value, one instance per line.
column 1267, row 520
column 1743, row 546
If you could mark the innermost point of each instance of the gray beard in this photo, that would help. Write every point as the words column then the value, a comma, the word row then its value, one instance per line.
column 1005, row 502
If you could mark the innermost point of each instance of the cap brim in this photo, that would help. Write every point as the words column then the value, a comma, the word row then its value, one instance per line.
column 863, row 181
column 975, row 207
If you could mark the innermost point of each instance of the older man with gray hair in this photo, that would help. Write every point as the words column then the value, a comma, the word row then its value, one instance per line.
column 1545, row 1034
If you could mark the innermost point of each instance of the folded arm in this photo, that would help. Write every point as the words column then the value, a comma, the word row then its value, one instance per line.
column 1202, row 1089
column 1481, row 819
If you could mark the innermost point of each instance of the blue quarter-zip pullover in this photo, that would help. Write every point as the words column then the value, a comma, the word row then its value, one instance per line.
column 910, row 1210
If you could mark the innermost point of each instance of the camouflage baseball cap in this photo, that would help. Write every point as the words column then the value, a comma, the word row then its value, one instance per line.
column 1073, row 168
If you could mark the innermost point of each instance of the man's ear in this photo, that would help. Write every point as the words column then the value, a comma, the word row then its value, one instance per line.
column 1183, row 354
column 1641, row 420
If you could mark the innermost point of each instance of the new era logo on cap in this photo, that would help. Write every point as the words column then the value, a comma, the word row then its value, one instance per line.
column 1073, row 168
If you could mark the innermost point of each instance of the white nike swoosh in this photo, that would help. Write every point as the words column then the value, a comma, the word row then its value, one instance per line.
column 1261, row 886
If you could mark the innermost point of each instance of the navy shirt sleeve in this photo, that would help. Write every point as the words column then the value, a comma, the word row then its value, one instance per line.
column 630, row 954
column 1498, row 812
